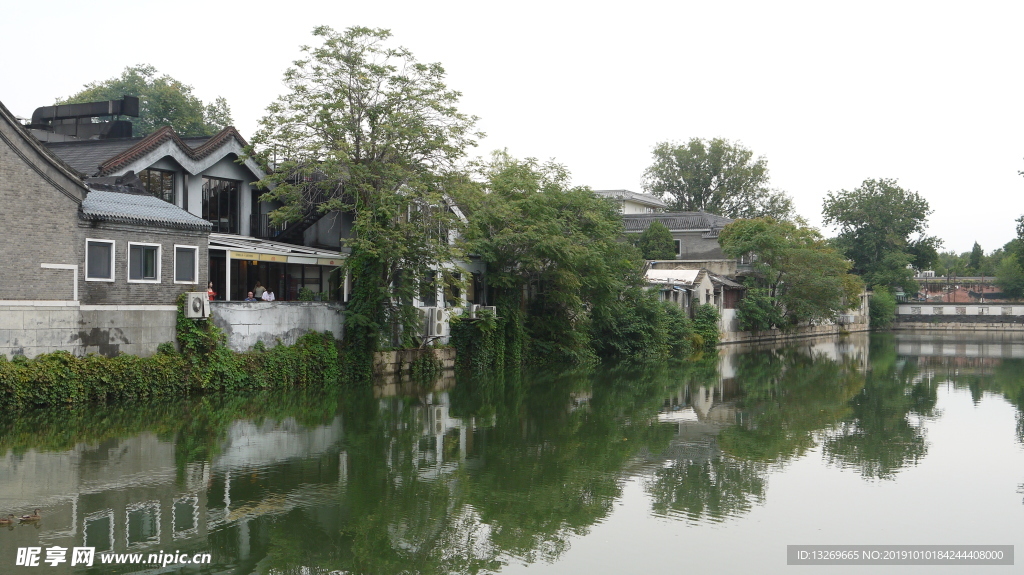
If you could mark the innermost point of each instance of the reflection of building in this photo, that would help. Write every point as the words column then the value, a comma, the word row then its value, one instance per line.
column 129, row 495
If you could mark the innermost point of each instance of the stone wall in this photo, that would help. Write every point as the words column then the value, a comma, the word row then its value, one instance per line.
column 32, row 328
column 730, row 337
column 39, row 213
column 246, row 323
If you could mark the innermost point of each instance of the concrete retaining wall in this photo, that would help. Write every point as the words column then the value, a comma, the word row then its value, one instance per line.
column 860, row 324
column 245, row 323
column 31, row 328
column 957, row 326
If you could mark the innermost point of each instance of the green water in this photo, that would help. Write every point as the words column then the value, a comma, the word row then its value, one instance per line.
column 715, row 465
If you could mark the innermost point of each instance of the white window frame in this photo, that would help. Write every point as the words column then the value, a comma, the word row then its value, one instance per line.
column 195, row 272
column 159, row 258
column 679, row 246
column 113, row 259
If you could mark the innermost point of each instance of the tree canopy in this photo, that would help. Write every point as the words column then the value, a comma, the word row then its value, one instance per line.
column 163, row 101
column 656, row 242
column 882, row 230
column 367, row 129
column 561, row 244
column 715, row 176
column 805, row 275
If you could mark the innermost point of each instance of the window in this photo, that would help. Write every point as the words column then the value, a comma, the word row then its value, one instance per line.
column 220, row 204
column 160, row 183
column 99, row 260
column 144, row 263
column 186, row 264
column 679, row 247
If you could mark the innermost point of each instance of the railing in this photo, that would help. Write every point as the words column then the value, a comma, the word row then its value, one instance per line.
column 260, row 227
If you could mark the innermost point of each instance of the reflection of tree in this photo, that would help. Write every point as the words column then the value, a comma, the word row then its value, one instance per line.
column 879, row 438
column 708, row 489
column 788, row 397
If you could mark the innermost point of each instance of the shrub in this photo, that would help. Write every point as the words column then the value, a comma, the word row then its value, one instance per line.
column 882, row 308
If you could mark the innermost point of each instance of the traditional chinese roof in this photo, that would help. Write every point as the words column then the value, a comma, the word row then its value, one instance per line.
column 677, row 221
column 132, row 208
column 106, row 157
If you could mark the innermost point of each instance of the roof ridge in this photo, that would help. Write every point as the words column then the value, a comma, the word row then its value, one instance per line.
column 164, row 134
column 30, row 140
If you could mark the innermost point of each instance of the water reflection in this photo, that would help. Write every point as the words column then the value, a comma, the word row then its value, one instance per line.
column 472, row 476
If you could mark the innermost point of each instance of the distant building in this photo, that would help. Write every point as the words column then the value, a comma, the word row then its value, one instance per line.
column 633, row 202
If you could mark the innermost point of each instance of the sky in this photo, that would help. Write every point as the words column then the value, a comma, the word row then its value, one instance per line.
column 830, row 93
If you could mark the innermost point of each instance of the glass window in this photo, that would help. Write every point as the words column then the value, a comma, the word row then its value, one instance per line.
column 99, row 260
column 185, row 268
column 160, row 183
column 143, row 262
column 220, row 204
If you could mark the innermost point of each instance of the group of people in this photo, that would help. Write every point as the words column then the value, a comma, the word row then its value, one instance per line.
column 259, row 293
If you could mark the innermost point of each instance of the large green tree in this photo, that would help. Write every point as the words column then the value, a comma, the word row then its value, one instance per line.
column 560, row 246
column 882, row 230
column 163, row 101
column 656, row 242
column 365, row 128
column 716, row 176
column 806, row 276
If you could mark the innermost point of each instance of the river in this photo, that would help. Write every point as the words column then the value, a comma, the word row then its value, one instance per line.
column 709, row 466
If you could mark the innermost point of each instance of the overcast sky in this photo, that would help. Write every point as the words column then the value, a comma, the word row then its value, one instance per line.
column 929, row 93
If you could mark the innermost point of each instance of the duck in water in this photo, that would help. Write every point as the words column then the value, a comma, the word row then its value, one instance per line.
column 7, row 520
column 35, row 517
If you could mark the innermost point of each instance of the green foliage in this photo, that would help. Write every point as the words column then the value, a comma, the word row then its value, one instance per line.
column 882, row 308
column 976, row 257
column 630, row 327
column 558, row 244
column 203, row 365
column 881, row 229
column 705, row 324
column 163, row 101
column 1010, row 277
column 758, row 311
column 804, row 275
column 306, row 294
column 715, row 176
column 365, row 128
column 656, row 242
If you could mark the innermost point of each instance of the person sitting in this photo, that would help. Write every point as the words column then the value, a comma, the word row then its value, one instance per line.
column 268, row 296
column 257, row 292
column 250, row 298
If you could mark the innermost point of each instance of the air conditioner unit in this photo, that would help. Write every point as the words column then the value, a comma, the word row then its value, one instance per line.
column 197, row 304
column 439, row 323
column 491, row 308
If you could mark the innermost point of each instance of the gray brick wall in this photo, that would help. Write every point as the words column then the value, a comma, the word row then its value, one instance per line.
column 120, row 291
column 39, row 222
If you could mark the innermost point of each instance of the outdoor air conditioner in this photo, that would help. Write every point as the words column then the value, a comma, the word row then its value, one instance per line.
column 491, row 308
column 197, row 305
column 438, row 323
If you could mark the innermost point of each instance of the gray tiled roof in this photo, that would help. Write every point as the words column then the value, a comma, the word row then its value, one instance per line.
column 138, row 209
column 87, row 155
column 675, row 221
